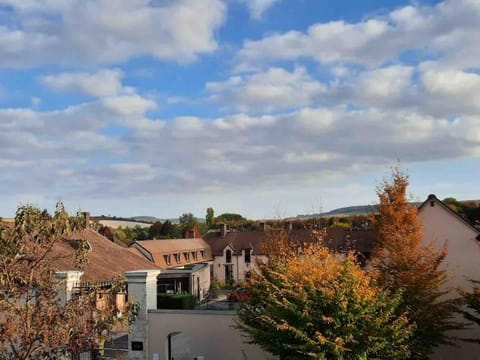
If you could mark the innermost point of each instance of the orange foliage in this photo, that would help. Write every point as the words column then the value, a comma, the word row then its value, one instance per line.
column 403, row 261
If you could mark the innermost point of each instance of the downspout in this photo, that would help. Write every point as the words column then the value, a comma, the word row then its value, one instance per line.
column 237, row 270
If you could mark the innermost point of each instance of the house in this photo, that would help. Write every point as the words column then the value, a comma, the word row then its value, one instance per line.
column 185, row 264
column 106, row 260
column 235, row 253
column 442, row 226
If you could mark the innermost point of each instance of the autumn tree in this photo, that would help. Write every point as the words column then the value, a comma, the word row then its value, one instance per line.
column 403, row 261
column 313, row 304
column 35, row 323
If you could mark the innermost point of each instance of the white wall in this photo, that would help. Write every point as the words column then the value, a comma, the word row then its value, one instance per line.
column 204, row 276
column 462, row 263
column 240, row 267
column 209, row 333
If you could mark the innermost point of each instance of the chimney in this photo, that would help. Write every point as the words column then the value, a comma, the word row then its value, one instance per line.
column 223, row 229
column 86, row 216
column 192, row 232
column 263, row 226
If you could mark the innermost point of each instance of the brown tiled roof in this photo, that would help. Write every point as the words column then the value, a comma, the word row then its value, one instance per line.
column 339, row 239
column 250, row 240
column 157, row 250
column 336, row 239
column 105, row 259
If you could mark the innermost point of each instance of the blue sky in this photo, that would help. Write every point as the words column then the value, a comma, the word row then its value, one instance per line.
column 264, row 107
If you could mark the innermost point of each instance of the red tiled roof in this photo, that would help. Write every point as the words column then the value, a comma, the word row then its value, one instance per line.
column 157, row 250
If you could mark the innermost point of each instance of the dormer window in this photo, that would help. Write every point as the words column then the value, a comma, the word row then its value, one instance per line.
column 194, row 255
column 167, row 259
column 228, row 256
column 247, row 256
column 187, row 256
column 177, row 258
column 202, row 253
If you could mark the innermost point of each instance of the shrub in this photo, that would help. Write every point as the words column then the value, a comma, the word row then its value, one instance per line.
column 215, row 289
column 177, row 301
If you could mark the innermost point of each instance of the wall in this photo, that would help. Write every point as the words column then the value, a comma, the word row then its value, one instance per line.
column 209, row 333
column 239, row 265
column 204, row 276
column 462, row 263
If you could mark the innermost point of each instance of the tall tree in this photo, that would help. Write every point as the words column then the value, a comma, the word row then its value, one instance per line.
column 187, row 219
column 35, row 324
column 403, row 261
column 155, row 230
column 318, row 305
column 210, row 218
column 167, row 229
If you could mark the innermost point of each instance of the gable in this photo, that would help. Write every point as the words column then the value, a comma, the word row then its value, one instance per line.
column 443, row 226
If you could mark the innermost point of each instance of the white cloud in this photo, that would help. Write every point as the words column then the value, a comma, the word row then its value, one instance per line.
column 258, row 7
column 389, row 82
column 273, row 89
column 448, row 29
column 106, row 82
column 129, row 105
column 188, row 154
column 47, row 32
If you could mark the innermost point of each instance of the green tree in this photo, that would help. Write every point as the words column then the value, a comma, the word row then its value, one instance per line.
column 187, row 219
column 210, row 218
column 403, row 261
column 167, row 229
column 231, row 217
column 155, row 230
column 319, row 305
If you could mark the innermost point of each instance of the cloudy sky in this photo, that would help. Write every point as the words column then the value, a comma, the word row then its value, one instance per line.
column 264, row 107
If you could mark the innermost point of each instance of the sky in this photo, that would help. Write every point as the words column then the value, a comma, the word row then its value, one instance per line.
column 268, row 108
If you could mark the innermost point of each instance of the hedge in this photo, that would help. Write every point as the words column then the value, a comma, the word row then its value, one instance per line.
column 177, row 301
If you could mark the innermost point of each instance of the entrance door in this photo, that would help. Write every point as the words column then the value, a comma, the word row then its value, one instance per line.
column 228, row 273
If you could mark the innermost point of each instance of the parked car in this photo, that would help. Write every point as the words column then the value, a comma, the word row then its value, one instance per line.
column 239, row 295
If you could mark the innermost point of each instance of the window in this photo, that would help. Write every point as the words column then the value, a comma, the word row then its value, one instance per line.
column 202, row 252
column 194, row 255
column 247, row 255
column 228, row 255
column 177, row 258
column 187, row 256
column 228, row 273
column 167, row 259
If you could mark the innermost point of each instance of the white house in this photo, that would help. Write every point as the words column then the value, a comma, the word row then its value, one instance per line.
column 443, row 226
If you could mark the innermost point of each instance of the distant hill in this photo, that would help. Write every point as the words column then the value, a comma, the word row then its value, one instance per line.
column 362, row 210
column 344, row 211
column 147, row 219
column 152, row 219
column 351, row 210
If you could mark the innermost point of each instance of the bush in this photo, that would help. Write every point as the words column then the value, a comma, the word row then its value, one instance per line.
column 215, row 289
column 177, row 301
